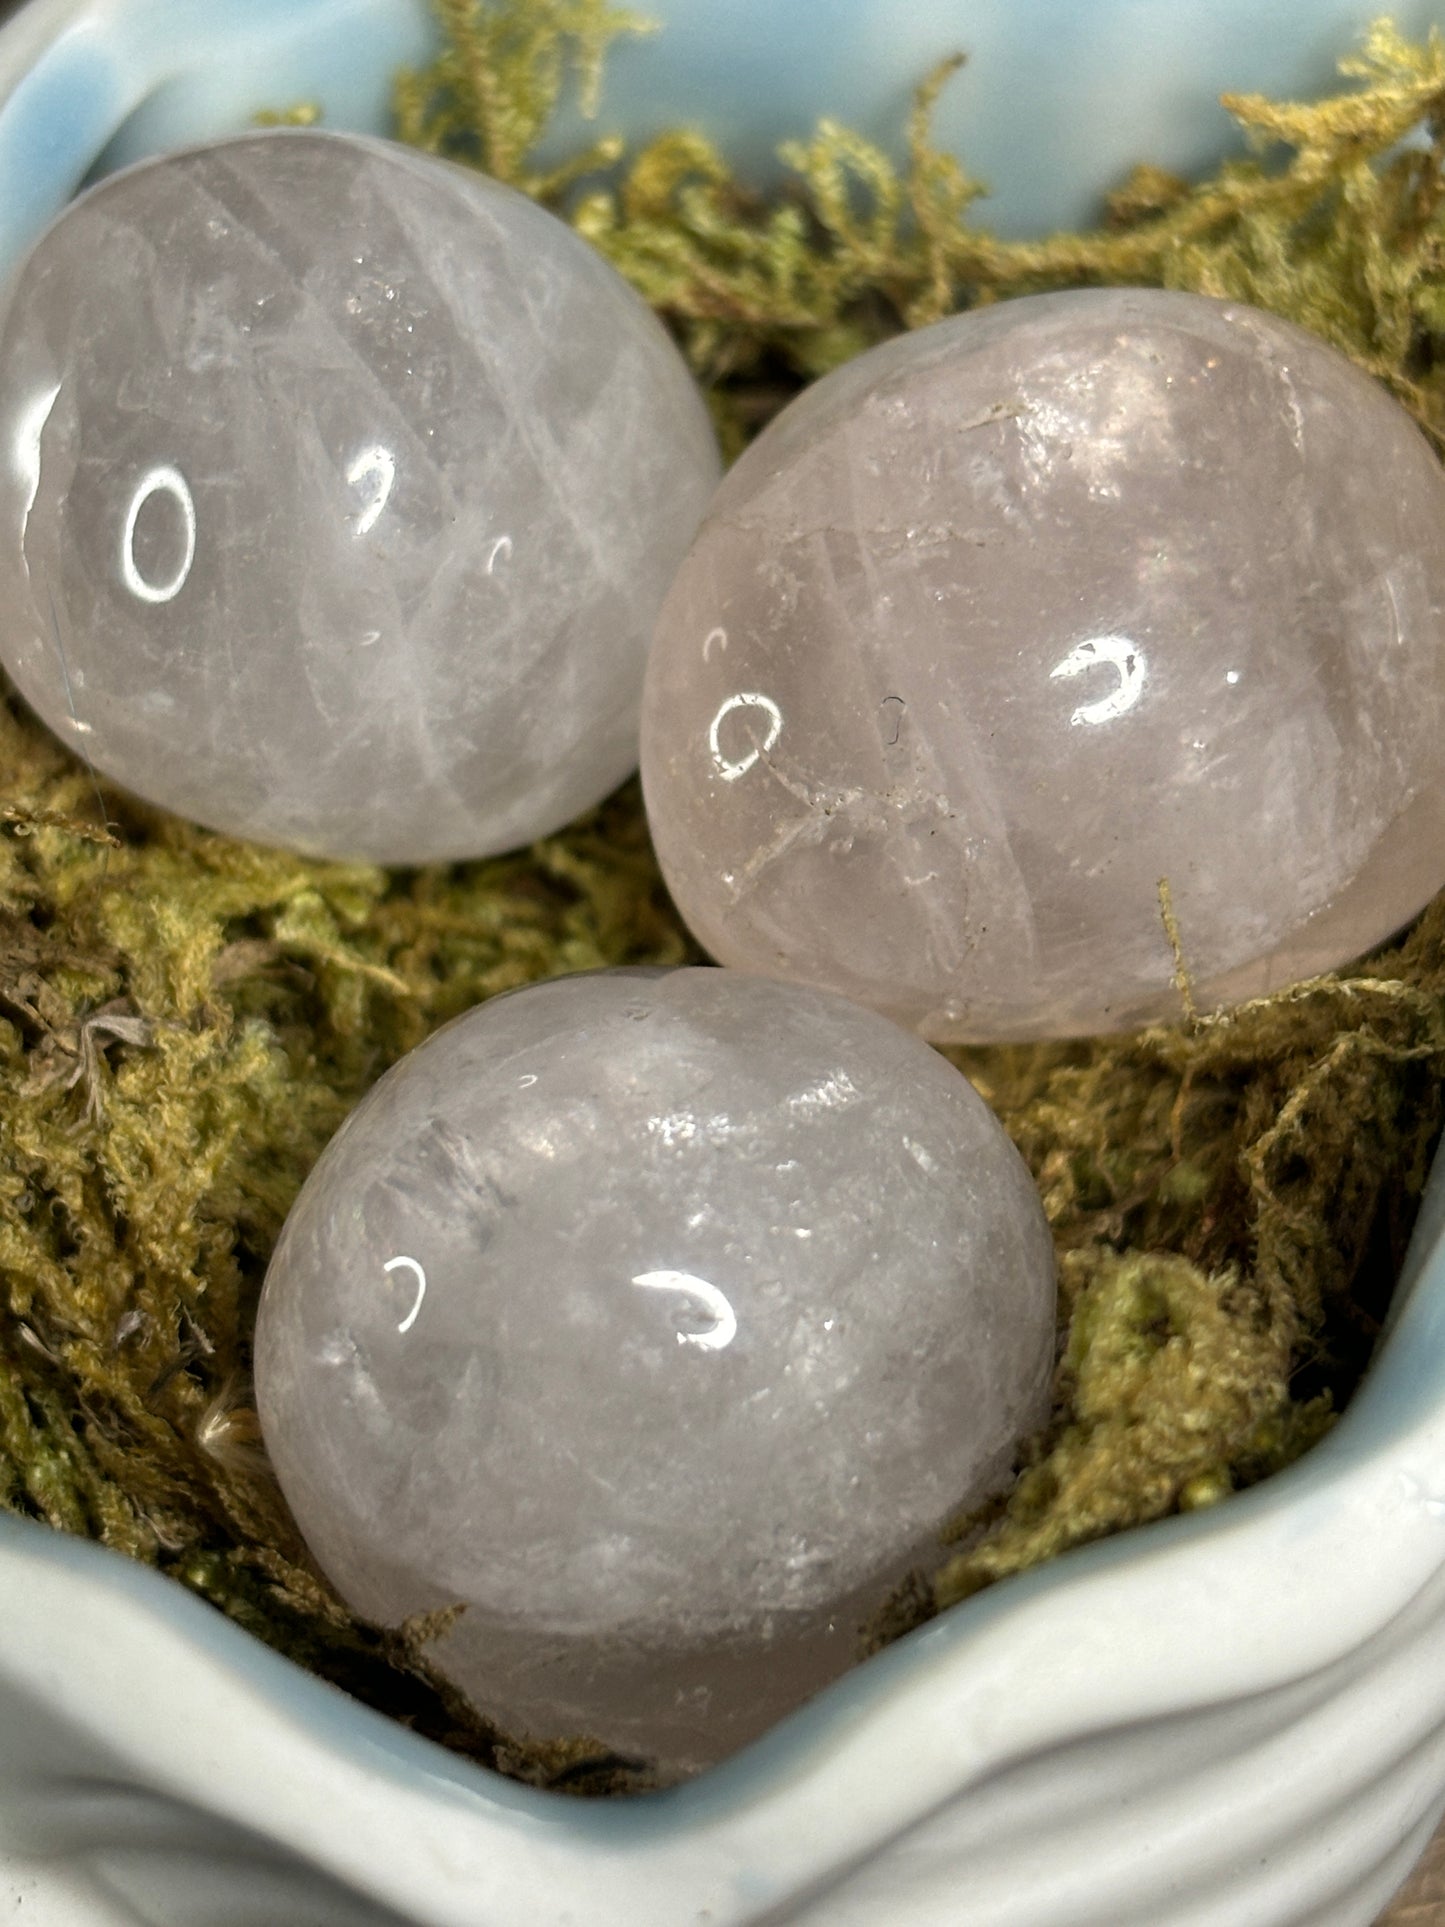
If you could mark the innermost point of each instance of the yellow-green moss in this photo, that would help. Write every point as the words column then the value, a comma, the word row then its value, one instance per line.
column 185, row 1020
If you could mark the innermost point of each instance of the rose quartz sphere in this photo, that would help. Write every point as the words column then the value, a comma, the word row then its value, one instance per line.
column 1004, row 622
column 659, row 1319
column 339, row 491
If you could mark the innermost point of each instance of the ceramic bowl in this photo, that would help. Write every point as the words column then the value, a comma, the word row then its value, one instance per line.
column 1232, row 1719
column 1059, row 99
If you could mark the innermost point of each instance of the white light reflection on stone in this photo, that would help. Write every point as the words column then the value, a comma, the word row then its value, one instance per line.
column 409, row 1264
column 725, row 1325
column 376, row 464
column 26, row 453
column 728, row 768
column 164, row 480
column 1113, row 652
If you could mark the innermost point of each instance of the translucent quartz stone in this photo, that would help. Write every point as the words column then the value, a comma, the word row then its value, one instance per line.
column 1007, row 620
column 339, row 488
column 661, row 1318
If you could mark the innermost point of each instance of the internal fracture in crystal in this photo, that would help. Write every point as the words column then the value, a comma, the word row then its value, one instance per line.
column 339, row 488
column 1005, row 622
column 660, row 1319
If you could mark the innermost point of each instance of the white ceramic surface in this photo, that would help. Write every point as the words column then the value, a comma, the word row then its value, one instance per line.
column 1235, row 1719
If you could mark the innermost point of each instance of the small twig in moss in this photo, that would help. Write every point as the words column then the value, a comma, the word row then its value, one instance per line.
column 25, row 822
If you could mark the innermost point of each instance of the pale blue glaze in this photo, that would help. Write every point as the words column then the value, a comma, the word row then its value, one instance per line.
column 1059, row 99
column 52, row 127
column 87, row 84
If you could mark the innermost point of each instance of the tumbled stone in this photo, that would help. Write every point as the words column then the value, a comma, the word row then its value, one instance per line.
column 660, row 1318
column 1008, row 620
column 343, row 486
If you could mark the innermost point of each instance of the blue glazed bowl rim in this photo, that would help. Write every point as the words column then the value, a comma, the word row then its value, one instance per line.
column 48, row 63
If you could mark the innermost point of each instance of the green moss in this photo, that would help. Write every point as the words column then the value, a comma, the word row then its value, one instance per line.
column 185, row 1020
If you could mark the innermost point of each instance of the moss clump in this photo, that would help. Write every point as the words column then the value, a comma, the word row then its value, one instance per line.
column 185, row 1020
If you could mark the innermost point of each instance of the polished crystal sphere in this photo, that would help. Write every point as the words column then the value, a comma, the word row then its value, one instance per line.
column 660, row 1319
column 1005, row 622
column 339, row 488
